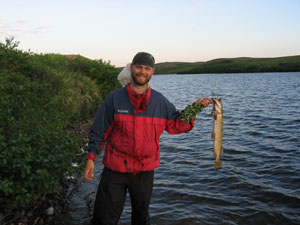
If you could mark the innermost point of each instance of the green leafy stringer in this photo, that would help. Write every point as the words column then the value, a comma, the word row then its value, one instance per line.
column 191, row 111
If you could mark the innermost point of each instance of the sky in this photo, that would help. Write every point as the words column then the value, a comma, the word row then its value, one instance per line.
column 171, row 30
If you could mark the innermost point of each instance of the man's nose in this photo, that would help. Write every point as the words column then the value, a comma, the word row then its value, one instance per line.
column 143, row 70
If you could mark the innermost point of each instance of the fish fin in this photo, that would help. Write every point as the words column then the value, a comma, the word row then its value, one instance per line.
column 213, row 135
column 216, row 116
column 222, row 151
column 218, row 163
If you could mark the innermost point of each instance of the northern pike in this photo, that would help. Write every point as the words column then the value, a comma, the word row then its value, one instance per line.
column 218, row 131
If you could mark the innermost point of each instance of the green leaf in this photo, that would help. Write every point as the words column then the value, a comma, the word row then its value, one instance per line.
column 191, row 111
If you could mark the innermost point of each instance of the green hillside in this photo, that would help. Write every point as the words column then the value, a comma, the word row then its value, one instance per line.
column 232, row 65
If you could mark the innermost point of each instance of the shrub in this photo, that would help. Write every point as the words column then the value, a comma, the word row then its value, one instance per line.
column 40, row 97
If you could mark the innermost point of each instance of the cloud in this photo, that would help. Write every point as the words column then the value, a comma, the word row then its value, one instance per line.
column 39, row 29
column 19, row 28
column 23, row 22
column 2, row 20
column 43, row 27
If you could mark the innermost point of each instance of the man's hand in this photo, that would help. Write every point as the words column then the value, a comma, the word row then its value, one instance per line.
column 204, row 101
column 89, row 169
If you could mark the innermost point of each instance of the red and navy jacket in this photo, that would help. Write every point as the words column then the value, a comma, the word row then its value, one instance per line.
column 129, row 125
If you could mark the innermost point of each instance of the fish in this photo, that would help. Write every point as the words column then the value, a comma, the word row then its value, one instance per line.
column 217, row 131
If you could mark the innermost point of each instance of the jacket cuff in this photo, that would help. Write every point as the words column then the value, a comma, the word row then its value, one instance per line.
column 91, row 156
column 192, row 122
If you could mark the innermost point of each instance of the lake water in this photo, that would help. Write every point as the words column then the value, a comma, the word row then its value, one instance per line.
column 259, row 182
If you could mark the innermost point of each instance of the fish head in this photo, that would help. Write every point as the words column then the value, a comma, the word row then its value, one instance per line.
column 217, row 105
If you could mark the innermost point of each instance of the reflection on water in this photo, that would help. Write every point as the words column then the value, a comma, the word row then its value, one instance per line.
column 259, row 182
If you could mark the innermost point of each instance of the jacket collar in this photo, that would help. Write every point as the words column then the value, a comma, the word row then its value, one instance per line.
column 139, row 101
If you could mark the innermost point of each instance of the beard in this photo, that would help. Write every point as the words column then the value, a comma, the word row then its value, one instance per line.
column 139, row 82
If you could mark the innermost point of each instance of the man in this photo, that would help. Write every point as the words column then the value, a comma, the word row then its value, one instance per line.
column 129, row 123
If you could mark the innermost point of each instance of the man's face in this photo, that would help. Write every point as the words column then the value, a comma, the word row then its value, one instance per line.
column 141, row 74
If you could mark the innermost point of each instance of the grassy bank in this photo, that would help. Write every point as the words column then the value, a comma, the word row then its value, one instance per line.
column 232, row 65
column 41, row 96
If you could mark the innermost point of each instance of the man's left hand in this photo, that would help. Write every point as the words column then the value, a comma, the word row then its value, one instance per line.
column 204, row 101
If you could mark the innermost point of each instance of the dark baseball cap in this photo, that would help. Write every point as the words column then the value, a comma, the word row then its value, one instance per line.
column 143, row 58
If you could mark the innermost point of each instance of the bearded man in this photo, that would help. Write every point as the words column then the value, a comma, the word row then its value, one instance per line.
column 129, row 124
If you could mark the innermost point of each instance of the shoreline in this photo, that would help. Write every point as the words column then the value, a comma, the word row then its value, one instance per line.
column 50, row 209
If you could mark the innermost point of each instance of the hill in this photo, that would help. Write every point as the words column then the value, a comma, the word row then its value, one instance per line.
column 232, row 65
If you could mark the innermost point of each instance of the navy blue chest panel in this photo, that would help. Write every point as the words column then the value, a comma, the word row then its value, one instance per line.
column 158, row 106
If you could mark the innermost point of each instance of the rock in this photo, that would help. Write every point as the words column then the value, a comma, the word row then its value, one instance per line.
column 75, row 165
column 50, row 211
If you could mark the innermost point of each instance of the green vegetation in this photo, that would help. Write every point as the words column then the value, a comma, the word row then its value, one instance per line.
column 191, row 111
column 41, row 96
column 232, row 65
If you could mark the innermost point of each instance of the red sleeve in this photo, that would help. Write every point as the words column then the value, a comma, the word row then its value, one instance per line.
column 91, row 156
column 177, row 127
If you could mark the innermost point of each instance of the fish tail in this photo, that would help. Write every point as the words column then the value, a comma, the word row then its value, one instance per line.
column 218, row 163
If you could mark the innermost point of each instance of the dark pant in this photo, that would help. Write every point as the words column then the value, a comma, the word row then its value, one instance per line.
column 111, row 197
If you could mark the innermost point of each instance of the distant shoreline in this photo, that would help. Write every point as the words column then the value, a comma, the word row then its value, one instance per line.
column 232, row 65
column 175, row 74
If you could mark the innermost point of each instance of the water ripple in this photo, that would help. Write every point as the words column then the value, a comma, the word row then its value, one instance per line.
column 259, row 182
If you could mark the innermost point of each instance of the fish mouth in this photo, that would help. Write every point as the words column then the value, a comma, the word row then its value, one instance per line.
column 218, row 105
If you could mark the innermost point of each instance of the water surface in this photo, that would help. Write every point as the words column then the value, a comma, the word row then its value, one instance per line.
column 259, row 182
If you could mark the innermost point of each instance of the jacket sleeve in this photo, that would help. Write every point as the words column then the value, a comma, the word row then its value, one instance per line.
column 101, row 128
column 174, row 123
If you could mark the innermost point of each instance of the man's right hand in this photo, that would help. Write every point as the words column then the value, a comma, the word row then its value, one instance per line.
column 89, row 169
